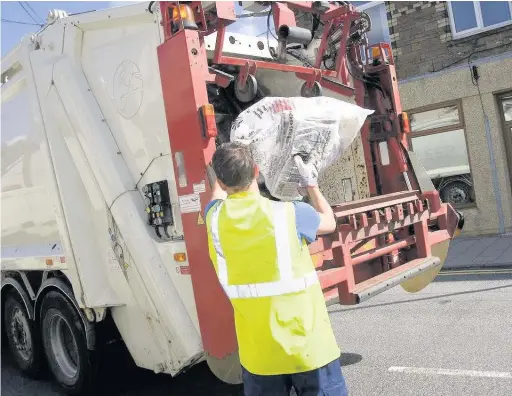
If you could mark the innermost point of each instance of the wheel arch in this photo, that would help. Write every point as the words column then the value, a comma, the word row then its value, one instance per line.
column 10, row 283
column 56, row 284
column 452, row 179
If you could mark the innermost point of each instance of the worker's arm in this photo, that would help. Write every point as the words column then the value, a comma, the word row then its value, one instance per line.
column 320, row 204
column 308, row 181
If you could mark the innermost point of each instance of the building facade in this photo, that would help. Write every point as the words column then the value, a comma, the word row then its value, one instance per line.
column 454, row 65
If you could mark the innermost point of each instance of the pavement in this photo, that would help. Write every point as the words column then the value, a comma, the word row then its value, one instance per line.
column 485, row 251
column 451, row 339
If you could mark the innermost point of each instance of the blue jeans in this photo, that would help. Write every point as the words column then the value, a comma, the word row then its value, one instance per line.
column 325, row 381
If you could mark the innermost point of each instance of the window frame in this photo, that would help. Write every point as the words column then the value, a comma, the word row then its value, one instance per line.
column 480, row 28
column 448, row 128
column 504, row 125
column 370, row 4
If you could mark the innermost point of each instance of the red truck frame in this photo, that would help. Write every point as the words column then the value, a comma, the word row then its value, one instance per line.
column 380, row 241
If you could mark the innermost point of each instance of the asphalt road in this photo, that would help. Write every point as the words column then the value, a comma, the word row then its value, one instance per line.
column 452, row 339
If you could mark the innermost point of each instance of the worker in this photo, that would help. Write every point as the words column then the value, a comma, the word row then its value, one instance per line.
column 259, row 252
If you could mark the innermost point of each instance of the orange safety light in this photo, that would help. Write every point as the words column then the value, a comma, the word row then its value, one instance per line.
column 405, row 123
column 184, row 13
column 375, row 52
column 180, row 257
column 207, row 116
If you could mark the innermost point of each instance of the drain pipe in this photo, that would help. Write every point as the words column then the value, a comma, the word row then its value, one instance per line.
column 499, row 205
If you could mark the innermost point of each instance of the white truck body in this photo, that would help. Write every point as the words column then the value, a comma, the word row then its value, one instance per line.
column 82, row 120
column 443, row 156
column 83, row 130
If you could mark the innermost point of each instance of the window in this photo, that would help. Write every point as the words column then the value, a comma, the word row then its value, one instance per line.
column 377, row 12
column 438, row 139
column 505, row 104
column 472, row 17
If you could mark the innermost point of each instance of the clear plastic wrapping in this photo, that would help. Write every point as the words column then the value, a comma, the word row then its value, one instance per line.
column 318, row 129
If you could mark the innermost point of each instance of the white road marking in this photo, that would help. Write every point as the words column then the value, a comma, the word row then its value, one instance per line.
column 452, row 372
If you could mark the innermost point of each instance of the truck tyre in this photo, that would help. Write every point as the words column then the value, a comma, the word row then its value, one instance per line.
column 65, row 344
column 22, row 337
column 456, row 192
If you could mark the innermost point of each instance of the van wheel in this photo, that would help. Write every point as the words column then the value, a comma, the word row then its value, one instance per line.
column 65, row 344
column 22, row 337
column 456, row 193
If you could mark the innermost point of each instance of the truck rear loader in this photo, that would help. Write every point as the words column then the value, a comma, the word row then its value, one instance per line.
column 109, row 122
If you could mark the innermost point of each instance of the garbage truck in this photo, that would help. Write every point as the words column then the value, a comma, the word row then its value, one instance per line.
column 109, row 122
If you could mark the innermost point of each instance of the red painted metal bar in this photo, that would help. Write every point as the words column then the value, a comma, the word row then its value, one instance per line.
column 336, row 12
column 435, row 237
column 422, row 243
column 300, row 5
column 381, row 251
column 282, row 15
column 352, row 235
column 323, row 44
column 219, row 43
column 341, row 66
column 340, row 89
column 309, row 71
column 375, row 203
column 184, row 56
column 365, row 137
column 332, row 277
column 342, row 256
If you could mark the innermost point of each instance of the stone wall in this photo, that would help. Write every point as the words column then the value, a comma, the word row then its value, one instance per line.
column 422, row 40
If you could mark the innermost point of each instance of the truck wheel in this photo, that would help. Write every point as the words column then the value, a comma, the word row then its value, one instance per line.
column 22, row 337
column 248, row 92
column 65, row 344
column 312, row 92
column 457, row 193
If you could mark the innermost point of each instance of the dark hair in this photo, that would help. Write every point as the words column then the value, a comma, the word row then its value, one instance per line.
column 234, row 165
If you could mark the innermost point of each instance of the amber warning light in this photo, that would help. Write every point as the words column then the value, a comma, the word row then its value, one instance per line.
column 405, row 123
column 207, row 116
column 183, row 14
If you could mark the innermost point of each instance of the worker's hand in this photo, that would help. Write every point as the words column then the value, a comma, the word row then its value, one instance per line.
column 308, row 173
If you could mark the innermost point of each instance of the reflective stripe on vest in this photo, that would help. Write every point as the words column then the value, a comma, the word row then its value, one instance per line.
column 287, row 284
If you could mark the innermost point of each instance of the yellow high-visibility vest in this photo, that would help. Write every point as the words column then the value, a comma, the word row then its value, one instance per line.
column 281, row 320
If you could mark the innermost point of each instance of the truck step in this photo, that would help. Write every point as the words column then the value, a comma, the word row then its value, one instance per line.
column 371, row 287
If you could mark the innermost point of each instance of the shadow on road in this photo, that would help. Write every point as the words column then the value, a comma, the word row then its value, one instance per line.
column 348, row 359
column 122, row 378
column 441, row 296
column 452, row 276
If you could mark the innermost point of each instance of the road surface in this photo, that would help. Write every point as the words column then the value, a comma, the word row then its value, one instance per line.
column 453, row 339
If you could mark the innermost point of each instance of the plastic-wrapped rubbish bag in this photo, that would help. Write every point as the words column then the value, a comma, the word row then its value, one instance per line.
column 318, row 129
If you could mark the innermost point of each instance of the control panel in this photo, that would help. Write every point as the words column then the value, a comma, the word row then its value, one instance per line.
column 158, row 207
